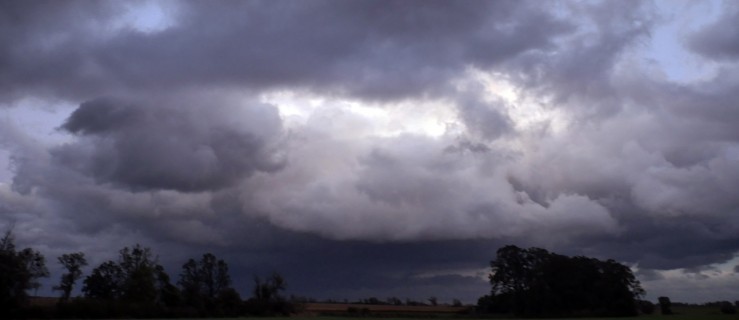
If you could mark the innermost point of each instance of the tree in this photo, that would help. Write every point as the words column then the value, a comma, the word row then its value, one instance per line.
column 433, row 301
column 456, row 303
column 206, row 283
column 34, row 266
column 73, row 262
column 191, row 284
column 168, row 294
column 267, row 299
column 727, row 307
column 646, row 307
column 19, row 272
column 269, row 290
column 105, row 282
column 511, row 275
column 665, row 305
column 138, row 265
column 535, row 282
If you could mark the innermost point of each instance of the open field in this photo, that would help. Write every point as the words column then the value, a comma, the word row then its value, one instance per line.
column 317, row 308
column 388, row 312
column 447, row 312
column 715, row 316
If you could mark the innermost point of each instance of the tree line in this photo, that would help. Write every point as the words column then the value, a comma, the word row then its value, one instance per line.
column 525, row 282
column 537, row 283
column 134, row 285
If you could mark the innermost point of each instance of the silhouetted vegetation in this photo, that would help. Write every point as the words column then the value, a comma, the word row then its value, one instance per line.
column 727, row 307
column 133, row 286
column 73, row 263
column 206, row 286
column 534, row 282
column 525, row 282
column 19, row 272
column 665, row 305
column 646, row 307
column 267, row 299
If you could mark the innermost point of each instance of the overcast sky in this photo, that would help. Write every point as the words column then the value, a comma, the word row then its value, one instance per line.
column 377, row 148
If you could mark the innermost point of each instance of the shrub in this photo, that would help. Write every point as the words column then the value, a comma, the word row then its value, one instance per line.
column 665, row 305
column 727, row 308
column 646, row 307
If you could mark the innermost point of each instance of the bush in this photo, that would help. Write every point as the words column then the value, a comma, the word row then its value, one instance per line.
column 646, row 307
column 728, row 308
column 665, row 305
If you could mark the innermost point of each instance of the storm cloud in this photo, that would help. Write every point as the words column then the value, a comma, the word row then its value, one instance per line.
column 175, row 146
column 386, row 147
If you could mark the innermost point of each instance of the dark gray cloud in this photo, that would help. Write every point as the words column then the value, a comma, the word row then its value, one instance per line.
column 583, row 68
column 484, row 118
column 46, row 45
column 376, row 49
column 173, row 145
column 717, row 40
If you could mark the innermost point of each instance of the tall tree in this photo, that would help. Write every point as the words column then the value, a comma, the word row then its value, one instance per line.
column 168, row 294
column 269, row 290
column 138, row 265
column 204, row 282
column 19, row 272
column 267, row 299
column 73, row 263
column 191, row 284
column 105, row 282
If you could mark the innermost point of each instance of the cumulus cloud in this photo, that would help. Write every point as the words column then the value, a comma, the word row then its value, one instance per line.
column 717, row 40
column 174, row 145
column 364, row 48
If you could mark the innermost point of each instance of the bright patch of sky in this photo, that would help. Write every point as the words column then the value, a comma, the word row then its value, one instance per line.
column 36, row 120
column 429, row 118
column 5, row 174
column 147, row 16
column 525, row 111
column 667, row 50
column 709, row 283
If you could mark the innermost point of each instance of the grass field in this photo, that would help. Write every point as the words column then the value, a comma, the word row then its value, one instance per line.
column 713, row 316
column 445, row 313
column 681, row 313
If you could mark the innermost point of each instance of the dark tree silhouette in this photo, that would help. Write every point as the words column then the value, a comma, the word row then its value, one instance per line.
column 206, row 284
column 135, row 278
column 433, row 301
column 105, row 282
column 19, row 272
column 73, row 263
column 665, row 305
column 727, row 307
column 267, row 299
column 269, row 289
column 535, row 282
column 138, row 265
column 169, row 295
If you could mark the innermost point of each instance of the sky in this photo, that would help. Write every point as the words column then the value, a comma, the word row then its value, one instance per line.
column 376, row 148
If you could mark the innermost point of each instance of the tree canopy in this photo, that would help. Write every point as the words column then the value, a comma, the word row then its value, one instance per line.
column 536, row 282
column 206, row 284
column 19, row 272
column 73, row 263
column 136, row 277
